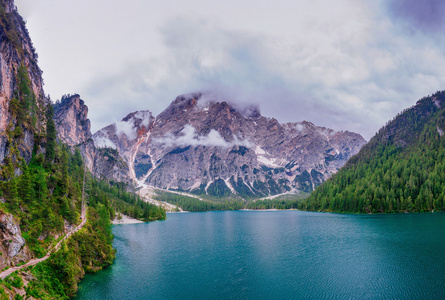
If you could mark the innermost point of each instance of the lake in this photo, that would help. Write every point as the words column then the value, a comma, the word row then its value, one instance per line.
column 276, row 255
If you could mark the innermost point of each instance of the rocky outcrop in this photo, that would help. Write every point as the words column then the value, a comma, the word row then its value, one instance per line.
column 16, row 50
column 73, row 129
column 110, row 165
column 71, row 120
column 105, row 163
column 206, row 146
column 12, row 244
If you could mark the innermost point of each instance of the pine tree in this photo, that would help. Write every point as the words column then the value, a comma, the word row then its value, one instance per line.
column 41, row 187
column 26, row 190
column 13, row 194
column 64, row 169
column 50, row 153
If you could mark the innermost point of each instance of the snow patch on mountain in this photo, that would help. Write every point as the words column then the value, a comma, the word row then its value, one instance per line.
column 299, row 127
column 267, row 161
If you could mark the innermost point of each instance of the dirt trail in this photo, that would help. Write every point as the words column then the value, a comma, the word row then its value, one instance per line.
column 35, row 261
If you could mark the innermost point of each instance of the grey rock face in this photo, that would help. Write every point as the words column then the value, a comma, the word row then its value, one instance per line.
column 70, row 117
column 108, row 164
column 207, row 146
column 73, row 129
column 15, row 50
column 13, row 239
column 13, row 244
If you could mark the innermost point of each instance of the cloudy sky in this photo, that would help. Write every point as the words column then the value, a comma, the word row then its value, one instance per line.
column 345, row 64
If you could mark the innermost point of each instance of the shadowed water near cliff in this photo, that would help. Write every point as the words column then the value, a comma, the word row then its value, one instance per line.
column 275, row 255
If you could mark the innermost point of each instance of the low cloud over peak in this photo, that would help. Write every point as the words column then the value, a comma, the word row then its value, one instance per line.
column 189, row 137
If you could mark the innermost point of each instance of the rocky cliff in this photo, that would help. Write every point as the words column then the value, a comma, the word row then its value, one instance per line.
column 73, row 129
column 71, row 120
column 12, row 244
column 205, row 146
column 21, row 93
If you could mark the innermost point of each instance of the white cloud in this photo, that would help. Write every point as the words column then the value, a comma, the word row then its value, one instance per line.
column 299, row 127
column 189, row 137
column 103, row 142
column 127, row 128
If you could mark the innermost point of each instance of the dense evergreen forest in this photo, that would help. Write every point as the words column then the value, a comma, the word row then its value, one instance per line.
column 46, row 195
column 401, row 169
column 191, row 204
column 125, row 202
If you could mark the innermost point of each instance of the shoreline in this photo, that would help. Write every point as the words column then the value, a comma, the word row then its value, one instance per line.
column 125, row 220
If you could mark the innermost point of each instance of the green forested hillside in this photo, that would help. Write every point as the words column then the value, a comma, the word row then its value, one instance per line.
column 47, row 194
column 125, row 202
column 402, row 168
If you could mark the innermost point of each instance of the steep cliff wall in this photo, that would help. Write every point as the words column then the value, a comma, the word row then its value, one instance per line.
column 12, row 245
column 40, row 194
column 71, row 120
column 20, row 79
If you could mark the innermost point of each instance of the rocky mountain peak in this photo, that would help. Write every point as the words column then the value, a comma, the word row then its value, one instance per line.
column 186, row 100
column 123, row 134
column 206, row 101
column 182, row 104
column 141, row 121
column 72, row 123
column 203, row 144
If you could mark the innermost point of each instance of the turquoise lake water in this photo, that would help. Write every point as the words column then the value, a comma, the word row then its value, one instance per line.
column 276, row 255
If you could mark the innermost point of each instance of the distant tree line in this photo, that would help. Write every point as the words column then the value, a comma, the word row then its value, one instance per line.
column 196, row 205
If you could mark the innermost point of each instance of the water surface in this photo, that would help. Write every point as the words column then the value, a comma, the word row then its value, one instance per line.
column 276, row 255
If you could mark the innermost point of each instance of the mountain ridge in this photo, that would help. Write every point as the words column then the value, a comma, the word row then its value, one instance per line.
column 199, row 142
